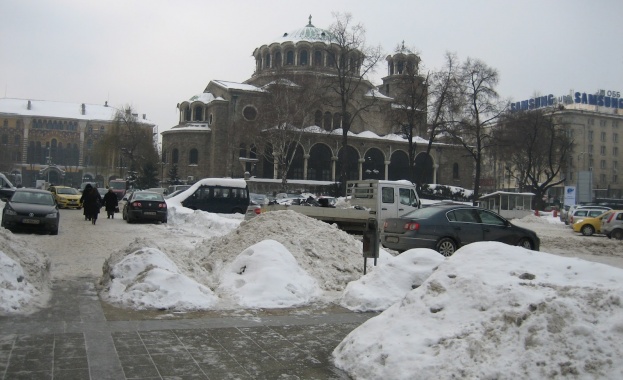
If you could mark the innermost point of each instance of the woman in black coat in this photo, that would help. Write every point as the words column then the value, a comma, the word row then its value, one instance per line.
column 110, row 203
column 92, row 202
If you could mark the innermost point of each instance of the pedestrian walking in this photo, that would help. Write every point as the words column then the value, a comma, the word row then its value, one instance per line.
column 110, row 203
column 92, row 202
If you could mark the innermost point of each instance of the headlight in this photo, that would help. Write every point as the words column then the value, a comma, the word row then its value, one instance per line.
column 10, row 212
column 52, row 215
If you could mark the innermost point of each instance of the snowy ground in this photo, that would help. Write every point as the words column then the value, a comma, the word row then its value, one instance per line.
column 490, row 311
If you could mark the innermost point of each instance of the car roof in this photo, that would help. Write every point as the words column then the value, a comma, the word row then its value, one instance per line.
column 31, row 190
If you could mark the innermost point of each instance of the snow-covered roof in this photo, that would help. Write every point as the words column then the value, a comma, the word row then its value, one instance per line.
column 309, row 33
column 204, row 97
column 377, row 94
column 237, row 86
column 202, row 127
column 64, row 110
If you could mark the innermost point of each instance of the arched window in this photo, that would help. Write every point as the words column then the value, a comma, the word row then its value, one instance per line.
column 290, row 57
column 455, row 171
column 242, row 152
column 5, row 139
column 327, row 121
column 391, row 67
column 401, row 66
column 317, row 58
column 193, row 157
column 175, row 156
column 318, row 118
column 267, row 61
column 337, row 121
column 198, row 113
column 331, row 59
column 278, row 59
column 187, row 113
column 303, row 58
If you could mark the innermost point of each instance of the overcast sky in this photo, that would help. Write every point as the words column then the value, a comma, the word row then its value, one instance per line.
column 153, row 54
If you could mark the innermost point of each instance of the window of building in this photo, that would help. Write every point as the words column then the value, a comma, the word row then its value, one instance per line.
column 290, row 57
column 18, row 123
column 327, row 121
column 303, row 58
column 615, row 151
column 615, row 164
column 591, row 122
column 187, row 113
column 590, row 135
column 16, row 140
column 602, row 164
column 602, row 123
column 602, row 150
column 337, row 121
column 278, row 59
column 615, row 178
column 5, row 139
column 318, row 118
column 455, row 171
column 603, row 136
column 615, row 137
column 175, row 156
column 602, row 178
column 317, row 58
column 193, row 157
column 331, row 59
column 89, row 144
column 210, row 119
column 6, row 123
column 249, row 113
column 198, row 113
column 590, row 149
column 267, row 61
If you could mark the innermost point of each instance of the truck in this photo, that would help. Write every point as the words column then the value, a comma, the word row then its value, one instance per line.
column 369, row 201
column 6, row 188
column 118, row 186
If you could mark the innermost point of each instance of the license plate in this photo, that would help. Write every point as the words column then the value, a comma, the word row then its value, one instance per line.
column 150, row 213
column 30, row 221
column 391, row 239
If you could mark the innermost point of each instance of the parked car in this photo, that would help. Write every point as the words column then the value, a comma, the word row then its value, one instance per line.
column 586, row 211
column 572, row 209
column 6, row 188
column 144, row 206
column 612, row 225
column 589, row 225
column 260, row 199
column 31, row 209
column 66, row 197
column 447, row 227
column 102, row 191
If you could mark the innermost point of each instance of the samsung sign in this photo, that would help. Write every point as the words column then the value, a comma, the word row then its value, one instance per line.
column 609, row 99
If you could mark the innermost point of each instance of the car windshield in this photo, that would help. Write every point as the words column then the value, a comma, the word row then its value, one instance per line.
column 147, row 197
column 67, row 190
column 117, row 185
column 32, row 198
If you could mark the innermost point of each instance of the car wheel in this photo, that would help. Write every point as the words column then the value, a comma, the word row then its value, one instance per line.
column 54, row 232
column 446, row 247
column 525, row 243
column 587, row 230
column 617, row 234
column 128, row 219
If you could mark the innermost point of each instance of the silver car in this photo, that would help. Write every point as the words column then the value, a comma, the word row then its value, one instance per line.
column 612, row 225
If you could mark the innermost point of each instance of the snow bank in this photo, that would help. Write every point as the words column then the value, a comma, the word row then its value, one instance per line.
column 330, row 255
column 267, row 275
column 24, row 276
column 492, row 311
column 391, row 281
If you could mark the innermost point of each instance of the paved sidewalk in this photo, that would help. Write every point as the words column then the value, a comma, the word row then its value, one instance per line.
column 78, row 337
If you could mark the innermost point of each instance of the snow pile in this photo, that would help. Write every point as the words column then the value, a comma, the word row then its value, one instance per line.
column 390, row 282
column 24, row 276
column 267, row 275
column 330, row 255
column 147, row 278
column 492, row 311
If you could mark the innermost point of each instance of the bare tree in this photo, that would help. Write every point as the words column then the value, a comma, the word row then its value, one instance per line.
column 536, row 150
column 285, row 111
column 474, row 112
column 130, row 140
column 423, row 108
column 348, row 89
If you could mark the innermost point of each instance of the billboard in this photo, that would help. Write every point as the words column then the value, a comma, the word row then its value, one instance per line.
column 569, row 196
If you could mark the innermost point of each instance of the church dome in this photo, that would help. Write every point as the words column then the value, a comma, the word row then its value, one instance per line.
column 309, row 33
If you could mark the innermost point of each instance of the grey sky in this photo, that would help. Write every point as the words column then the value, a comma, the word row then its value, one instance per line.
column 153, row 54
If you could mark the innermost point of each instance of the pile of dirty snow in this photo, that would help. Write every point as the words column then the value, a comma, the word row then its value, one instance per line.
column 494, row 311
column 24, row 276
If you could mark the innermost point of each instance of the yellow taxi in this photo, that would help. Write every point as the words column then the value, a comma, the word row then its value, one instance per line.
column 66, row 197
column 589, row 225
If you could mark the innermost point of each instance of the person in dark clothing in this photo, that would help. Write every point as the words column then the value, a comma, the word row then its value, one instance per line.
column 92, row 202
column 110, row 203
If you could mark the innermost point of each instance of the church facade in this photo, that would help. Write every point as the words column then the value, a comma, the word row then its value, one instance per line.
column 210, row 139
